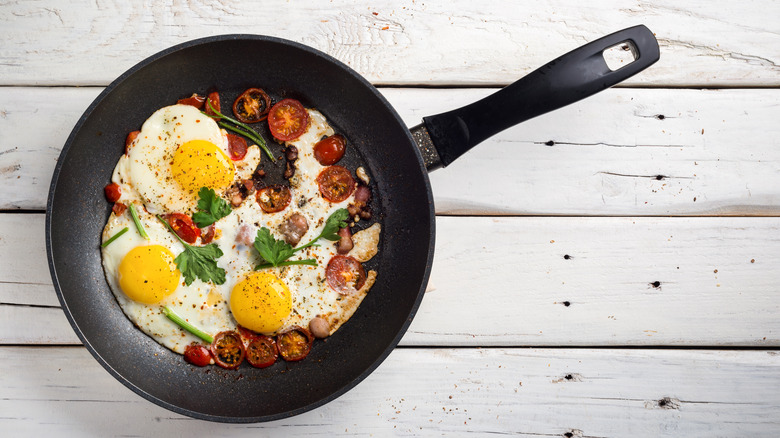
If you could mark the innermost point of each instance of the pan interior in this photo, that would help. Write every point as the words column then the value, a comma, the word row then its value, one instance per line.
column 77, row 212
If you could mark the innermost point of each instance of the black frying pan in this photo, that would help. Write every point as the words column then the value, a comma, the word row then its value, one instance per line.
column 77, row 210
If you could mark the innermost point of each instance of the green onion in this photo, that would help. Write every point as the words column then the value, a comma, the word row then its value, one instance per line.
column 173, row 316
column 170, row 228
column 246, row 132
column 138, row 225
column 114, row 237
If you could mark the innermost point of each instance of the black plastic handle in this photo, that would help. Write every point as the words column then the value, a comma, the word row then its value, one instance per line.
column 574, row 76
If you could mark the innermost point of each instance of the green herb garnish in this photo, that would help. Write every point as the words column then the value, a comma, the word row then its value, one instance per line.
column 276, row 252
column 213, row 208
column 247, row 130
column 138, row 224
column 173, row 316
column 114, row 237
column 330, row 231
column 198, row 261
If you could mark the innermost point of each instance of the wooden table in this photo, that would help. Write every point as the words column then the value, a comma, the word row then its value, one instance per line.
column 607, row 269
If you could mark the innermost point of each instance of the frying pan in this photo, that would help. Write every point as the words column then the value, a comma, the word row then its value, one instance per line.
column 397, row 160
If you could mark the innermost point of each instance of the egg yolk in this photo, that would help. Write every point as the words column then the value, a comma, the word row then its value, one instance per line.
column 147, row 274
column 200, row 163
column 261, row 302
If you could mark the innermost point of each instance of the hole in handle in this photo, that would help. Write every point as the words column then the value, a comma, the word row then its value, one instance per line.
column 620, row 55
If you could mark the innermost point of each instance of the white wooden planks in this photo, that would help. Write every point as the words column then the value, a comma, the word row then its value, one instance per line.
column 717, row 152
column 506, row 281
column 528, row 392
column 91, row 43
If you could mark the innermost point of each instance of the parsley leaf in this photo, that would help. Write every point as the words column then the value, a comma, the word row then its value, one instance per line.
column 213, row 208
column 276, row 252
column 198, row 261
column 335, row 222
column 201, row 262
column 271, row 250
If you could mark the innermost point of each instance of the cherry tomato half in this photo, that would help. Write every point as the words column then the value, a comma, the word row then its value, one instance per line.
column 197, row 355
column 252, row 106
column 113, row 192
column 294, row 343
column 261, row 352
column 184, row 227
column 287, row 120
column 274, row 198
column 336, row 183
column 329, row 151
column 247, row 335
column 345, row 274
column 195, row 100
column 237, row 147
column 212, row 101
column 228, row 350
column 130, row 139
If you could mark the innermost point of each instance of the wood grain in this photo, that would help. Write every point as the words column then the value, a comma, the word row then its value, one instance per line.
column 703, row 43
column 527, row 392
column 716, row 152
column 526, row 281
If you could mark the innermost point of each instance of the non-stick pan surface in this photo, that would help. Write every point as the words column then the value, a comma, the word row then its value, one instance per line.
column 402, row 202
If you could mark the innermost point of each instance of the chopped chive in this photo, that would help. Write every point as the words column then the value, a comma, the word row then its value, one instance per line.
column 138, row 225
column 252, row 135
column 173, row 316
column 170, row 228
column 246, row 132
column 114, row 237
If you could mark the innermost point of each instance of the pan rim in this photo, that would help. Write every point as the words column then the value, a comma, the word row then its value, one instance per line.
column 53, row 269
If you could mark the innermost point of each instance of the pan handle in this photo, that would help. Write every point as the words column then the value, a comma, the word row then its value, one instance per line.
column 572, row 77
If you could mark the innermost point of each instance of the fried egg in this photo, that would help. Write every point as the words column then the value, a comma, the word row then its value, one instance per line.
column 179, row 151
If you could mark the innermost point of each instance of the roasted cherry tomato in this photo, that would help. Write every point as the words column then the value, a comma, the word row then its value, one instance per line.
column 247, row 335
column 252, row 106
column 207, row 234
column 261, row 352
column 345, row 274
column 113, row 192
column 118, row 208
column 212, row 101
column 197, row 355
column 336, row 183
column 329, row 151
column 274, row 198
column 237, row 147
column 294, row 343
column 195, row 100
column 184, row 227
column 228, row 350
column 288, row 119
column 130, row 139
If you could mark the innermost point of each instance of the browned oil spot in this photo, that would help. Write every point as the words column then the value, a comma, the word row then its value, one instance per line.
column 10, row 169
